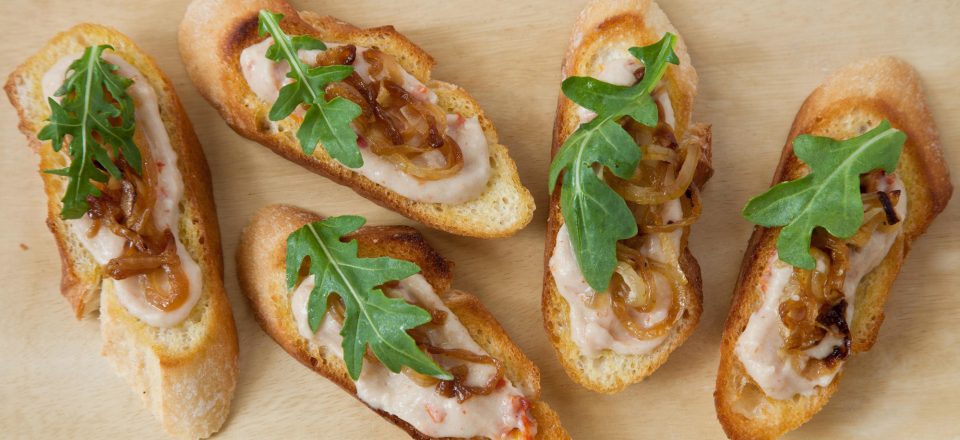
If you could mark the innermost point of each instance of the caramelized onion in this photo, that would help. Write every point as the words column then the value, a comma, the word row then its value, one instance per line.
column 634, row 287
column 128, row 195
column 816, row 306
column 839, row 262
column 652, row 152
column 419, row 379
column 453, row 163
column 336, row 310
column 635, row 290
column 887, row 203
column 457, row 387
column 335, row 306
column 666, row 173
column 835, row 317
column 345, row 55
column 125, row 206
column 884, row 202
column 690, row 215
column 152, row 269
column 819, row 305
column 872, row 219
column 437, row 317
column 620, row 310
column 651, row 195
column 407, row 131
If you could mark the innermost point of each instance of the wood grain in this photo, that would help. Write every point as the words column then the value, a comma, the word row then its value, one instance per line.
column 756, row 64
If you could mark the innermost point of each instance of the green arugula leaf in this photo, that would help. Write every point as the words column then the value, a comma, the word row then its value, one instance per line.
column 371, row 318
column 828, row 197
column 87, row 114
column 326, row 122
column 320, row 123
column 596, row 216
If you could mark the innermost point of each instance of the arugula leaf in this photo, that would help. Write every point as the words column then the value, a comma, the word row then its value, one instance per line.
column 596, row 216
column 326, row 122
column 87, row 114
column 828, row 197
column 371, row 318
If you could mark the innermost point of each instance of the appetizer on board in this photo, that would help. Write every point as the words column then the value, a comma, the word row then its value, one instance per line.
column 621, row 289
column 357, row 106
column 131, row 208
column 861, row 177
column 372, row 310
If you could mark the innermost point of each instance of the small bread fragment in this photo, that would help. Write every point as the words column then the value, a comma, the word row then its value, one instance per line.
column 848, row 103
column 261, row 266
column 214, row 32
column 185, row 374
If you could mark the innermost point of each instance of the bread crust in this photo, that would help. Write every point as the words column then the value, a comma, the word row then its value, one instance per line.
column 214, row 32
column 261, row 260
column 188, row 388
column 850, row 101
column 602, row 23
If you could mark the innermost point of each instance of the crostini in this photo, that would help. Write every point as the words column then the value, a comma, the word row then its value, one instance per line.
column 372, row 310
column 131, row 208
column 357, row 106
column 621, row 289
column 861, row 177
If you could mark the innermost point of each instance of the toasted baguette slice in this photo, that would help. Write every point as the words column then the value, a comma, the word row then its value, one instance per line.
column 261, row 267
column 848, row 103
column 602, row 24
column 185, row 374
column 214, row 32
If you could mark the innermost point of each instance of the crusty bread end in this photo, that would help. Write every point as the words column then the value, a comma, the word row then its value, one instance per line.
column 848, row 103
column 185, row 374
column 214, row 32
column 261, row 263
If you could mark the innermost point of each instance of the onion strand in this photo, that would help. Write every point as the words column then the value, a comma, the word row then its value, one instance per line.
column 410, row 132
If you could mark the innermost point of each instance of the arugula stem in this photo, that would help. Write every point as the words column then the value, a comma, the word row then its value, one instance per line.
column 361, row 304
column 85, row 129
column 661, row 68
column 281, row 39
column 325, row 123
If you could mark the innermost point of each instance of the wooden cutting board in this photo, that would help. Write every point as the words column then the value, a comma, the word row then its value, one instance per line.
column 757, row 61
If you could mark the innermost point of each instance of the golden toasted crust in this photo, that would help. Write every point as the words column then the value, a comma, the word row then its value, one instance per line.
column 187, row 381
column 214, row 32
column 849, row 102
column 261, row 267
column 80, row 275
column 603, row 24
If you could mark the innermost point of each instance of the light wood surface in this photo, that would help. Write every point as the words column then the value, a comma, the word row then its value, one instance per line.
column 757, row 61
